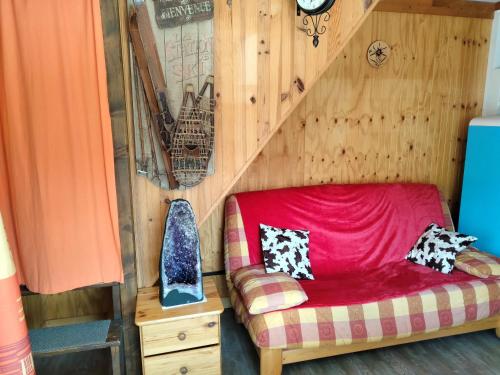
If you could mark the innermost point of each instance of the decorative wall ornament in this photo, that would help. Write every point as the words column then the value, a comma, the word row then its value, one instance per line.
column 181, row 55
column 180, row 260
column 316, row 12
column 378, row 53
column 205, row 105
column 173, row 13
column 315, row 31
column 193, row 139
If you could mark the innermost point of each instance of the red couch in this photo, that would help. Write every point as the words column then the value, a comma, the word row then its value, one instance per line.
column 365, row 294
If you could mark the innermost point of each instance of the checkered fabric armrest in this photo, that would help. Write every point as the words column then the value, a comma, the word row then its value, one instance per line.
column 478, row 263
column 235, row 242
column 264, row 292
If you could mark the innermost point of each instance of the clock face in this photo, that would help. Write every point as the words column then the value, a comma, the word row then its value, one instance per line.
column 314, row 7
column 309, row 5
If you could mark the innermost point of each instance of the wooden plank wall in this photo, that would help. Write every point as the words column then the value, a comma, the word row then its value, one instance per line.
column 264, row 65
column 114, row 20
column 69, row 307
column 457, row 8
column 403, row 122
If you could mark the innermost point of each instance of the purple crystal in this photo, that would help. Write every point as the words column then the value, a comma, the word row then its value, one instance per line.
column 180, row 261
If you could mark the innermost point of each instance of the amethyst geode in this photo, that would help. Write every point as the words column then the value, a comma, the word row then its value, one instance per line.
column 180, row 260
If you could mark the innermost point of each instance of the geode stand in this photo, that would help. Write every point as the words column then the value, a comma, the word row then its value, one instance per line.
column 180, row 261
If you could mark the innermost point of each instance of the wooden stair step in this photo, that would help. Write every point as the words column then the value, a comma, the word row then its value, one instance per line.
column 75, row 337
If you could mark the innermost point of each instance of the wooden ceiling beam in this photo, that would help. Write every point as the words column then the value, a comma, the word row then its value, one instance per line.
column 455, row 8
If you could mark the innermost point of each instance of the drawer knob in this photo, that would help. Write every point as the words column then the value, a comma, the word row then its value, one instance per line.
column 211, row 324
column 183, row 370
column 181, row 336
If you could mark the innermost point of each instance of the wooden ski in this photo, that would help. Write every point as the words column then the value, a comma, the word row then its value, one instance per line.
column 156, row 102
column 155, row 68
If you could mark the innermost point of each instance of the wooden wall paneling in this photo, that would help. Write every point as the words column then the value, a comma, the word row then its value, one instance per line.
column 278, row 49
column 458, row 90
column 238, row 95
column 474, row 88
column 285, row 152
column 263, row 60
column 414, row 94
column 220, row 19
column 224, row 86
column 456, row 8
column 221, row 285
column 250, row 69
column 264, row 66
column 212, row 243
column 114, row 20
column 68, row 307
column 406, row 121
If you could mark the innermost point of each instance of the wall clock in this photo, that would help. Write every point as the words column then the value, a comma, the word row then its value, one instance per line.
column 316, row 11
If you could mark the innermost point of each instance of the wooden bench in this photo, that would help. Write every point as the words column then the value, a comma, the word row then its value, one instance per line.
column 78, row 337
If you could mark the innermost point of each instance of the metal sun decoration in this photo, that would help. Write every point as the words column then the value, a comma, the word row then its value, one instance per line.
column 316, row 12
column 378, row 53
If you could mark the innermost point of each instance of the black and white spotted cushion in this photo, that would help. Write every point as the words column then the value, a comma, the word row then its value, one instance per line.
column 286, row 250
column 437, row 248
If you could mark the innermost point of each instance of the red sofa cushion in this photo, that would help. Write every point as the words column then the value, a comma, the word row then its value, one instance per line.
column 390, row 281
column 353, row 228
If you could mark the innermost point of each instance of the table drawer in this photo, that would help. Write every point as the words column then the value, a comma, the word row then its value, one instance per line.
column 204, row 361
column 180, row 334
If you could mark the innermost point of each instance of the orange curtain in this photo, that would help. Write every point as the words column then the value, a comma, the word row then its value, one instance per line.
column 57, row 186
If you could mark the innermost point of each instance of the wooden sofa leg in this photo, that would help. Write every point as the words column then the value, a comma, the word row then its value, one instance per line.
column 270, row 361
column 237, row 318
column 497, row 331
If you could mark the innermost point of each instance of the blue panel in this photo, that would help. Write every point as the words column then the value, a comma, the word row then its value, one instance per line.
column 480, row 205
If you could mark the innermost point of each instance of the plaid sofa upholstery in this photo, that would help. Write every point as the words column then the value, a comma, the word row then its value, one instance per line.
column 423, row 312
column 236, row 253
column 262, row 292
column 478, row 263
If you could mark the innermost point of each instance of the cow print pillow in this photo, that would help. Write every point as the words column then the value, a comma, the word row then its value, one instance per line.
column 437, row 248
column 286, row 250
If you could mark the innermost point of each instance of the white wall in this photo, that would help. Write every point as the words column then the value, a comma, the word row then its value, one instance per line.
column 492, row 91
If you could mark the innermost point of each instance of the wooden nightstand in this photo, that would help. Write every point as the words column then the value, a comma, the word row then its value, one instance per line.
column 182, row 340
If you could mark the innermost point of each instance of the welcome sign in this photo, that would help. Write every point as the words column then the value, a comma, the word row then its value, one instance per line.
column 173, row 13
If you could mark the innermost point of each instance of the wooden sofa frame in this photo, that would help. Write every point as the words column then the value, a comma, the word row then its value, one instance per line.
column 272, row 360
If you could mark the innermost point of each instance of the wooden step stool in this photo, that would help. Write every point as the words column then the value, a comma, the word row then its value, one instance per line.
column 78, row 337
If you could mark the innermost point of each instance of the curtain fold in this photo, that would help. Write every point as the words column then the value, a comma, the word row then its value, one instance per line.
column 57, row 185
